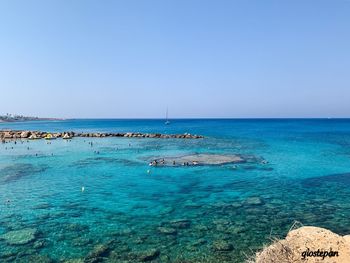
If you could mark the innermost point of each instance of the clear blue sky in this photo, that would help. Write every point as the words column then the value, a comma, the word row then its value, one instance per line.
column 200, row 58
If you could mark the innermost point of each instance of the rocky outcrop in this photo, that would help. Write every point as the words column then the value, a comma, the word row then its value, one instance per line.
column 198, row 159
column 307, row 244
column 14, row 134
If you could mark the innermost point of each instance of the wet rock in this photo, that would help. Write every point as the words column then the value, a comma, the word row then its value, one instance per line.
column 222, row 246
column 20, row 237
column 25, row 134
column 167, row 230
column 148, row 255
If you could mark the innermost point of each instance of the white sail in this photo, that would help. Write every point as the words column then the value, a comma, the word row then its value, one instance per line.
column 166, row 117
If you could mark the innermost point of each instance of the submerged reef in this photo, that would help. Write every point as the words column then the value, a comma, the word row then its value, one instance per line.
column 20, row 237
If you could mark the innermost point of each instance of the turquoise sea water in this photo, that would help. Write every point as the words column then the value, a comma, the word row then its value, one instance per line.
column 171, row 214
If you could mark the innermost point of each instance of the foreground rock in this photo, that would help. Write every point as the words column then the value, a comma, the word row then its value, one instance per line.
column 14, row 134
column 20, row 237
column 307, row 244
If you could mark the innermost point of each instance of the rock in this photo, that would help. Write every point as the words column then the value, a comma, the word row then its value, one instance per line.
column 25, row 134
column 7, row 135
column 301, row 242
column 222, row 246
column 20, row 237
column 167, row 230
column 148, row 255
column 253, row 201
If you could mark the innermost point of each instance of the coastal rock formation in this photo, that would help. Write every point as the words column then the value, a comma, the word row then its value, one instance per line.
column 307, row 244
column 14, row 134
column 198, row 159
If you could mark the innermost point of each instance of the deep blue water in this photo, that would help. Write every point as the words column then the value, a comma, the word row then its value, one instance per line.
column 306, row 179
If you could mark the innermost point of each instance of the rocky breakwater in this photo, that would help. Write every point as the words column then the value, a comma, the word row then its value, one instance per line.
column 16, row 134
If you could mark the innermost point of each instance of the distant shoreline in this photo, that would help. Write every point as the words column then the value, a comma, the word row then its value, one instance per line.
column 6, row 119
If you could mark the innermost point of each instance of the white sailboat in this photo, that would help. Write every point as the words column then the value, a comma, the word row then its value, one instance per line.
column 167, row 122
